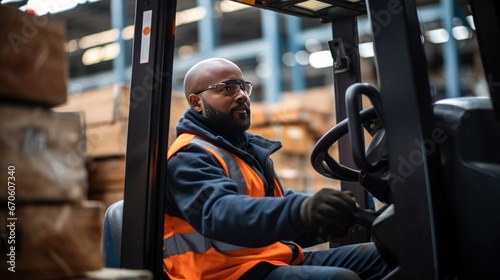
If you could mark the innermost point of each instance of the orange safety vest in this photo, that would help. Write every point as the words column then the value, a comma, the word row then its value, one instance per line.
column 189, row 255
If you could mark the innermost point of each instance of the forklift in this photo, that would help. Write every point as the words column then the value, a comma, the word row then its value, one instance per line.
column 436, row 165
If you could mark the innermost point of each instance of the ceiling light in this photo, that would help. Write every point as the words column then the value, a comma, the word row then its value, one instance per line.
column 470, row 21
column 313, row 5
column 71, row 46
column 312, row 45
column 110, row 51
column 190, row 15
column 437, row 36
column 366, row 50
column 321, row 59
column 92, row 56
column 99, row 54
column 461, row 32
column 128, row 33
column 302, row 57
column 288, row 59
column 227, row 6
column 42, row 7
column 100, row 38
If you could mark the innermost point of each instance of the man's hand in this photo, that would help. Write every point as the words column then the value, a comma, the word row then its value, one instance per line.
column 329, row 207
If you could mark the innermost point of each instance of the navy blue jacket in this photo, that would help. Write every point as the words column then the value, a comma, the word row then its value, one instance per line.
column 199, row 191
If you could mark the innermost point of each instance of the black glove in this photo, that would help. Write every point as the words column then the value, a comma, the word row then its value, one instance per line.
column 328, row 207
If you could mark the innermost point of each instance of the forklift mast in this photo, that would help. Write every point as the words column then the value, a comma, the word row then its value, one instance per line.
column 145, row 173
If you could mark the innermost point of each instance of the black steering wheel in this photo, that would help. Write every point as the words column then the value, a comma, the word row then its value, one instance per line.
column 372, row 162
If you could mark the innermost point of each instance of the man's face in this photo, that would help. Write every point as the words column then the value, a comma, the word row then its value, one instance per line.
column 228, row 109
column 235, row 119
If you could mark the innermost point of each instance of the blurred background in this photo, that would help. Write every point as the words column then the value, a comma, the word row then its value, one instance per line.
column 278, row 53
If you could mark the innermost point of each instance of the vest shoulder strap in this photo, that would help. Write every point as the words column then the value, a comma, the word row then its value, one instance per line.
column 230, row 160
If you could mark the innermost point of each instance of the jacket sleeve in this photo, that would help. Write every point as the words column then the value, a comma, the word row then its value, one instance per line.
column 199, row 192
column 312, row 237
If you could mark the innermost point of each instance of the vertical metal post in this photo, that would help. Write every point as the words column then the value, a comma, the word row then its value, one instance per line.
column 145, row 173
column 293, row 26
column 118, row 18
column 347, row 30
column 408, row 120
column 450, row 51
column 272, row 81
column 207, row 30
column 486, row 19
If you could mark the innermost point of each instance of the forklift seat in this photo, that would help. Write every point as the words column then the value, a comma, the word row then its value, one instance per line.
column 112, row 235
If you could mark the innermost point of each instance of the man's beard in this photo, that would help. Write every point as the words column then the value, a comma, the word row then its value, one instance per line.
column 226, row 121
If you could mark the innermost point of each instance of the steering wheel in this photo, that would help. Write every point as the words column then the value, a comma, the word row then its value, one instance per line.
column 372, row 162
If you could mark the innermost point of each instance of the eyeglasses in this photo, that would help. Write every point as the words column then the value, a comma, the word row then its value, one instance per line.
column 230, row 88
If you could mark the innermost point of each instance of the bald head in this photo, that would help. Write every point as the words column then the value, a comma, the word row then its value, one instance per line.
column 207, row 72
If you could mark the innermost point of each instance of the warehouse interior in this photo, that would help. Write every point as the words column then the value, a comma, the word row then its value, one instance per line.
column 287, row 59
column 207, row 28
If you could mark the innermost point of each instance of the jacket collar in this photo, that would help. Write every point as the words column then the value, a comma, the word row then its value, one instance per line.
column 195, row 123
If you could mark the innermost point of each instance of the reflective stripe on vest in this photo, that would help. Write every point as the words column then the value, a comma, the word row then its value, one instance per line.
column 195, row 242
column 231, row 163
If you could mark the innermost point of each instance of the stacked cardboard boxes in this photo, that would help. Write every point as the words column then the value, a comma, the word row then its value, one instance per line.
column 298, row 121
column 106, row 112
column 48, row 228
column 106, row 119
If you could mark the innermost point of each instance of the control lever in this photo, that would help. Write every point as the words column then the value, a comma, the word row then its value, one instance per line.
column 364, row 218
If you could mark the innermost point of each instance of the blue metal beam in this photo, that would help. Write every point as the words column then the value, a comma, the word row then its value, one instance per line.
column 207, row 30
column 272, row 57
column 294, row 26
column 450, row 51
column 118, row 18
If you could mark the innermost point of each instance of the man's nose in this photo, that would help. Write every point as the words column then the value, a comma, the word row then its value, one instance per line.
column 241, row 95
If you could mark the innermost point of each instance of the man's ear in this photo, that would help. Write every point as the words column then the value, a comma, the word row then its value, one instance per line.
column 195, row 103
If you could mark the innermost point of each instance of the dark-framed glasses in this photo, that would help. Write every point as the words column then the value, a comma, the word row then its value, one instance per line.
column 230, row 88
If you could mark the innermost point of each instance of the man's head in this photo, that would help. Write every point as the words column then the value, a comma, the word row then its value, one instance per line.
column 216, row 88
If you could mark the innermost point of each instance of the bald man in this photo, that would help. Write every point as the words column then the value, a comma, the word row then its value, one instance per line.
column 227, row 215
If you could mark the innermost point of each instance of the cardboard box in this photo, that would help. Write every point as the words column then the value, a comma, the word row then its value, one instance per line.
column 52, row 241
column 296, row 172
column 318, row 100
column 33, row 64
column 106, row 118
column 315, row 106
column 107, row 179
column 107, row 140
column 106, row 174
column 100, row 106
column 45, row 150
